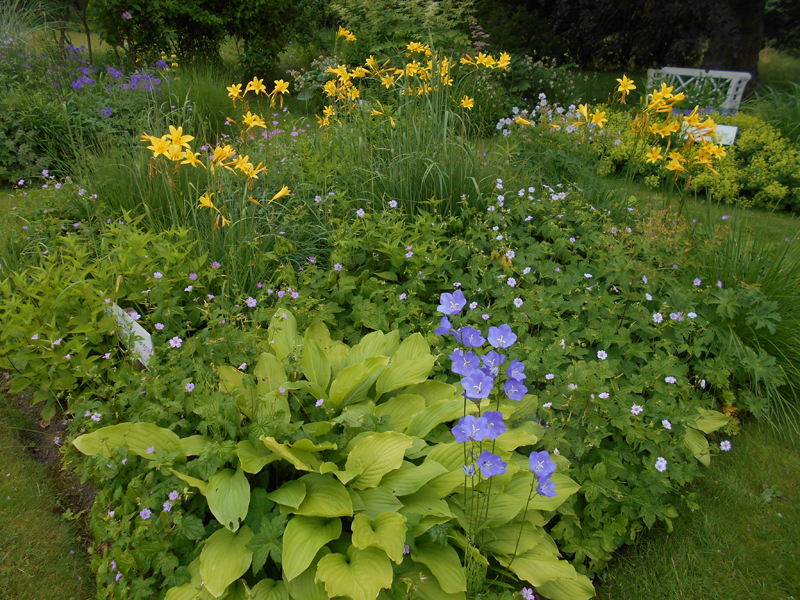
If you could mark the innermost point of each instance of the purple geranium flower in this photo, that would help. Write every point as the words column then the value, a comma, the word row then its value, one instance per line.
column 451, row 304
column 501, row 337
column 490, row 464
column 477, row 385
column 471, row 428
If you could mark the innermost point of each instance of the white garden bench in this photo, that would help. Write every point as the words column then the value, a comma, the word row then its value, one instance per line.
column 685, row 79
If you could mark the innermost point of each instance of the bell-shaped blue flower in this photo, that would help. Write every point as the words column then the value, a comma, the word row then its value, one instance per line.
column 471, row 338
column 494, row 423
column 516, row 370
column 464, row 364
column 515, row 390
column 490, row 464
column 445, row 328
column 477, row 385
column 492, row 362
column 501, row 337
column 470, row 428
column 541, row 465
column 451, row 304
column 546, row 488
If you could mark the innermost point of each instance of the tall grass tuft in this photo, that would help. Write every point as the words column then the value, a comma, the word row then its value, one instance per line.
column 19, row 21
column 779, row 106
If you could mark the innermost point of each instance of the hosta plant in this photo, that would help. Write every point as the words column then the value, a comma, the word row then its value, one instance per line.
column 359, row 476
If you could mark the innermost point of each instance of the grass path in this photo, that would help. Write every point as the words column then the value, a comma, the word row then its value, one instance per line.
column 40, row 552
column 743, row 543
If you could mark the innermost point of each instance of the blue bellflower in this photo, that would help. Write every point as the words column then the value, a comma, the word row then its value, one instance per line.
column 477, row 385
column 470, row 428
column 516, row 370
column 515, row 390
column 546, row 488
column 471, row 338
column 541, row 465
column 490, row 464
column 501, row 337
column 492, row 362
column 451, row 304
column 464, row 364
column 494, row 423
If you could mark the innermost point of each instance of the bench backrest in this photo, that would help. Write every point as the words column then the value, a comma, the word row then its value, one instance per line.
column 684, row 79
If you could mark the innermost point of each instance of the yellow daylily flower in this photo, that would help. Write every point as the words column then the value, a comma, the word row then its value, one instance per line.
column 159, row 146
column 252, row 120
column 625, row 85
column 220, row 217
column 281, row 87
column 666, row 91
column 371, row 63
column 654, row 155
column 177, row 137
column 522, row 121
column 599, row 118
column 235, row 91
column 415, row 47
column 191, row 159
column 555, row 126
column 328, row 111
column 505, row 61
column 676, row 166
column 358, row 72
column 487, row 60
column 323, row 122
column 205, row 201
column 467, row 60
column 329, row 88
column 257, row 86
column 675, row 155
column 222, row 153
column 584, row 110
column 467, row 102
column 284, row 191
column 175, row 153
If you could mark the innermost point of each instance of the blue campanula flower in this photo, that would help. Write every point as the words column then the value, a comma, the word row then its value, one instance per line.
column 516, row 370
column 546, row 488
column 469, row 470
column 470, row 428
column 477, row 385
column 470, row 337
column 492, row 362
column 515, row 390
column 445, row 327
column 541, row 465
column 464, row 364
column 491, row 464
column 501, row 337
column 494, row 423
column 451, row 304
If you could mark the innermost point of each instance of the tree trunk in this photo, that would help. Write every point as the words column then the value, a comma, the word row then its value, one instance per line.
column 84, row 8
column 735, row 43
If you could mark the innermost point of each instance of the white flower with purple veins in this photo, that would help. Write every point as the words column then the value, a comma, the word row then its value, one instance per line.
column 499, row 237
column 666, row 424
column 174, row 495
column 692, row 315
column 636, row 409
column 251, row 302
column 658, row 318
column 157, row 275
column 572, row 386
column 135, row 316
column 360, row 212
column 670, row 379
column 319, row 402
column 547, row 405
column 518, row 302
column 661, row 464
column 703, row 383
column 151, row 450
column 392, row 203
column 602, row 354
column 725, row 446
column 159, row 326
column 96, row 417
column 648, row 297
column 698, row 282
column 473, row 305
column 511, row 254
column 550, row 376
column 604, row 395
column 587, row 275
column 572, row 240
column 512, row 282
column 188, row 288
column 175, row 342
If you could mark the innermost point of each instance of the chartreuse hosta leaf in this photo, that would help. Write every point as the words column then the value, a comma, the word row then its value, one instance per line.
column 269, row 589
column 138, row 437
column 194, row 444
column 386, row 531
column 445, row 565
column 191, row 590
column 315, row 364
column 232, row 381
column 360, row 575
column 376, row 456
column 403, row 373
column 325, row 497
column 409, row 478
column 372, row 344
column 400, row 410
column 228, row 496
column 433, row 391
column 192, row 481
column 540, row 566
column 304, row 587
column 282, row 331
column 338, row 354
column 224, row 559
column 527, row 434
column 253, row 458
column 292, row 493
column 710, row 420
column 302, row 454
column 269, row 372
column 429, row 588
column 509, row 540
column 698, row 444
column 376, row 501
column 412, row 348
column 320, row 334
column 443, row 411
column 349, row 378
column 302, row 540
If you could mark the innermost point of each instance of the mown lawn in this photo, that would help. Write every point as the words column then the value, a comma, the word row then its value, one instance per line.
column 743, row 543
